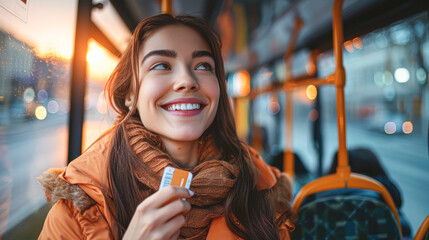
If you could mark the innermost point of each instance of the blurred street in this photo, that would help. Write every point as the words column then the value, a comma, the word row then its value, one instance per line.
column 27, row 150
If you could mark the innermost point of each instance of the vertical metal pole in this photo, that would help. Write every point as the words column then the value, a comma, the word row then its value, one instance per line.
column 78, row 79
column 166, row 6
column 340, row 81
column 317, row 129
column 288, row 156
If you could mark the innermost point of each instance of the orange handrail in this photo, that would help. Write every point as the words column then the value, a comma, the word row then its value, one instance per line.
column 166, row 6
column 305, row 81
column 288, row 158
column 423, row 229
column 340, row 81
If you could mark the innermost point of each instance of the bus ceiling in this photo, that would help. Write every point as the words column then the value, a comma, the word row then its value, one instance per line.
column 133, row 11
column 360, row 16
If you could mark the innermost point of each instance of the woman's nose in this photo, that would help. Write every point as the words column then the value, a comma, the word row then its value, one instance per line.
column 186, row 81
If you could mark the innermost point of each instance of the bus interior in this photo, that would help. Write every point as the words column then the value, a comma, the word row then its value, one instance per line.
column 317, row 87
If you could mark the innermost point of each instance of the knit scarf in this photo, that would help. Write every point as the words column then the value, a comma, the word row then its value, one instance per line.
column 213, row 177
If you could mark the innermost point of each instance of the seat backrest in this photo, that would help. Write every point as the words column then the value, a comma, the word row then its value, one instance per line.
column 346, row 217
column 340, row 183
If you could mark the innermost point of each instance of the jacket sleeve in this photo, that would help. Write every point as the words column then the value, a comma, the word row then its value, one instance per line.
column 61, row 223
column 271, row 177
column 64, row 221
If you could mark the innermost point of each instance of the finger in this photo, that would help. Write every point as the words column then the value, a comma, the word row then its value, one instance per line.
column 178, row 207
column 172, row 227
column 165, row 195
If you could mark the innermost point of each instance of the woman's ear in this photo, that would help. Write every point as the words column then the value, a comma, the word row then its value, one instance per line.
column 129, row 100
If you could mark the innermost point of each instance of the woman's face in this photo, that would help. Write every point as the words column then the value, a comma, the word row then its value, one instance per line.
column 179, row 90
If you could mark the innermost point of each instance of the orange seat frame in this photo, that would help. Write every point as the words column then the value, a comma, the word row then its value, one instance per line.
column 423, row 229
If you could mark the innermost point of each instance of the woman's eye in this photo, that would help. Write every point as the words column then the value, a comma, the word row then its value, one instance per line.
column 204, row 66
column 160, row 66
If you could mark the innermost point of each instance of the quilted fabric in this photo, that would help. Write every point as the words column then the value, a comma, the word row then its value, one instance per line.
column 346, row 217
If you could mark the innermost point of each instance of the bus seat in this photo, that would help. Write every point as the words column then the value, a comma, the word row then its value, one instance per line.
column 345, row 213
column 346, row 217
column 405, row 226
column 423, row 232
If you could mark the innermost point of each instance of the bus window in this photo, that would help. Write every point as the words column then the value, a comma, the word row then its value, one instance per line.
column 35, row 63
column 387, row 105
column 100, row 64
column 269, row 113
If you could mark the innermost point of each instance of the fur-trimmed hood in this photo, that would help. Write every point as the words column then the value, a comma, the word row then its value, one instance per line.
column 83, row 181
column 56, row 188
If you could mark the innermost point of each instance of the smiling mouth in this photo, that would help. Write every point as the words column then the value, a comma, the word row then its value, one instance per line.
column 183, row 107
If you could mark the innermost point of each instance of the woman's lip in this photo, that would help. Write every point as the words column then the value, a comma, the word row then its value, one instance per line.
column 188, row 113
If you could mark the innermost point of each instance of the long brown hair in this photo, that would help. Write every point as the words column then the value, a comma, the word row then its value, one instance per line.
column 254, row 210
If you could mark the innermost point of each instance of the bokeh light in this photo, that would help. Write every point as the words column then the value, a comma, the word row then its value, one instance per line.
column 274, row 107
column 313, row 115
column 402, row 75
column 311, row 92
column 378, row 79
column 421, row 76
column 53, row 107
column 42, row 96
column 357, row 43
column 407, row 127
column 390, row 128
column 387, row 78
column 241, row 83
column 40, row 112
column 29, row 95
column 348, row 45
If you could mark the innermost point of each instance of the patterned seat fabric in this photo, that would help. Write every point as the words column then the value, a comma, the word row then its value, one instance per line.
column 346, row 217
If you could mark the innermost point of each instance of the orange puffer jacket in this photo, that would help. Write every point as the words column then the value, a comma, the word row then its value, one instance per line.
column 81, row 211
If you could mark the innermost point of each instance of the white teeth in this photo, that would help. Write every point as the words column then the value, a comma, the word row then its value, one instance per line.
column 184, row 107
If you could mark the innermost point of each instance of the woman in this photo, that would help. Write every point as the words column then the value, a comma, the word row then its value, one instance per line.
column 170, row 92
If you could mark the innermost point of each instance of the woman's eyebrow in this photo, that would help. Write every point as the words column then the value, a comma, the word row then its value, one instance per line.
column 198, row 53
column 165, row 53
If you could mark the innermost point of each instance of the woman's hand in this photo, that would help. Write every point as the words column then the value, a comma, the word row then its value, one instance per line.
column 161, row 215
